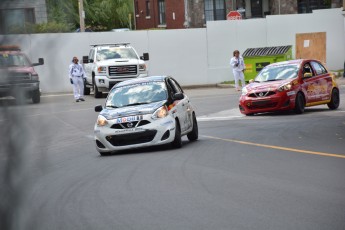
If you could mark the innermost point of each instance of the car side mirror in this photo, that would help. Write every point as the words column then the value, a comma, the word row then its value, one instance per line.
column 98, row 108
column 86, row 60
column 145, row 57
column 307, row 75
column 178, row 96
column 40, row 62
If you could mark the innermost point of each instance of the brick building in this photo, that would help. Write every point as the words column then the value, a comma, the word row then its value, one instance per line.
column 15, row 13
column 176, row 14
column 167, row 14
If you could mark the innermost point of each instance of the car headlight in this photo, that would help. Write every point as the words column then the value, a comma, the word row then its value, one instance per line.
column 160, row 113
column 102, row 69
column 285, row 87
column 142, row 67
column 244, row 91
column 101, row 121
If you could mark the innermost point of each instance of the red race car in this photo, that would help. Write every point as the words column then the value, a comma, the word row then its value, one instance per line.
column 290, row 85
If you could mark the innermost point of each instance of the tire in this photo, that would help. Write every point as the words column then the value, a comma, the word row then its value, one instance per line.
column 194, row 134
column 96, row 93
column 36, row 97
column 299, row 104
column 104, row 153
column 177, row 142
column 335, row 100
column 86, row 89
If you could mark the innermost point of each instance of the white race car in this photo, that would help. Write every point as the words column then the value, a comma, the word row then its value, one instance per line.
column 144, row 112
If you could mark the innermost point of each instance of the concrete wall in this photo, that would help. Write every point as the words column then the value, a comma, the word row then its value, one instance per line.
column 193, row 56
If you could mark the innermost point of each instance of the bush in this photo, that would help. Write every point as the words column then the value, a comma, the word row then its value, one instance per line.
column 50, row 27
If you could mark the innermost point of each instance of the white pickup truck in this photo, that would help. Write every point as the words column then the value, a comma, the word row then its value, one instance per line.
column 108, row 64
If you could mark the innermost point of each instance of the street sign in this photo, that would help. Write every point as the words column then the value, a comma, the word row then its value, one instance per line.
column 234, row 15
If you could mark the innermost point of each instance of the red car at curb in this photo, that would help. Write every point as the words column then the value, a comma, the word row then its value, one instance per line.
column 290, row 85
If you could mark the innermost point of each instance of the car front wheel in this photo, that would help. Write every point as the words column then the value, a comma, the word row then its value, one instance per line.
column 177, row 142
column 299, row 104
column 97, row 93
column 36, row 96
column 194, row 134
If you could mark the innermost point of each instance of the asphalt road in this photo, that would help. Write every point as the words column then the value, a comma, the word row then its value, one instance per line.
column 270, row 171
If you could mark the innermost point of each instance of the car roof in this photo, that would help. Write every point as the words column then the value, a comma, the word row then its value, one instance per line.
column 293, row 62
column 141, row 80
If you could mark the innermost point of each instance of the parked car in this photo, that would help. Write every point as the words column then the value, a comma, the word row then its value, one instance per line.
column 290, row 85
column 18, row 76
column 144, row 112
column 108, row 64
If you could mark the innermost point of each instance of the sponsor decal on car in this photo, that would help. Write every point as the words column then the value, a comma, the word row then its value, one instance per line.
column 167, row 123
column 291, row 93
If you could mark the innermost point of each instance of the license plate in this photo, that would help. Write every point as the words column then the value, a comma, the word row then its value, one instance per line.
column 129, row 119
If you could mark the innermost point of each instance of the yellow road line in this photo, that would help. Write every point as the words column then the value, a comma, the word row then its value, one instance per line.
column 278, row 147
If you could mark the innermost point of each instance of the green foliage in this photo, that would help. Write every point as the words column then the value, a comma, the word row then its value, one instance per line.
column 100, row 15
column 50, row 27
column 109, row 13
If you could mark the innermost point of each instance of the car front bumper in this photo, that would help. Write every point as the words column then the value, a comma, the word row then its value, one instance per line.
column 277, row 102
column 157, row 132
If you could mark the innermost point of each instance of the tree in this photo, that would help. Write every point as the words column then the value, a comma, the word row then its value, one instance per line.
column 109, row 13
column 99, row 14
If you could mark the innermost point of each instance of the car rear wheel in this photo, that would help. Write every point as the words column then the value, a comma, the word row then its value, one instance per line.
column 177, row 142
column 194, row 134
column 335, row 100
column 36, row 96
column 299, row 104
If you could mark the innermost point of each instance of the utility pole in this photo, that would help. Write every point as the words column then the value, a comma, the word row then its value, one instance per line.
column 81, row 15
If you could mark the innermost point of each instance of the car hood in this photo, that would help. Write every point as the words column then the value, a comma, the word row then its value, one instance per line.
column 266, row 86
column 110, row 113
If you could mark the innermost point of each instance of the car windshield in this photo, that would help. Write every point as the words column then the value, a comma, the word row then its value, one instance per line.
column 10, row 60
column 137, row 94
column 116, row 53
column 276, row 73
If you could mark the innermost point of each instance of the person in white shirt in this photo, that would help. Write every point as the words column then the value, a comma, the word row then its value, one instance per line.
column 238, row 68
column 77, row 78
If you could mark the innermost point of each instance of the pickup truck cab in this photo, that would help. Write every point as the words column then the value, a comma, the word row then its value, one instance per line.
column 18, row 76
column 108, row 64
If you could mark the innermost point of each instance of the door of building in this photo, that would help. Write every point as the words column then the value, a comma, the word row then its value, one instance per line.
column 256, row 8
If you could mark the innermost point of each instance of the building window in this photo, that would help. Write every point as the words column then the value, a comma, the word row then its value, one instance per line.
column 16, row 20
column 307, row 6
column 148, row 9
column 161, row 12
column 214, row 10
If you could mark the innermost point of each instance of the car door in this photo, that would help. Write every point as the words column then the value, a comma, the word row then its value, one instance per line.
column 323, row 82
column 181, row 106
column 309, row 83
column 88, row 67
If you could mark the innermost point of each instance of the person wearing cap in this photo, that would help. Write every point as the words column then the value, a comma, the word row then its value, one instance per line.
column 238, row 68
column 77, row 78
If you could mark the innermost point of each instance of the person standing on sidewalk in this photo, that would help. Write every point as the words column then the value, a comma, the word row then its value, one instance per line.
column 238, row 68
column 77, row 79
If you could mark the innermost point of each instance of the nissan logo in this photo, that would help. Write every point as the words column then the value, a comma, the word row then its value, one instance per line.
column 129, row 125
